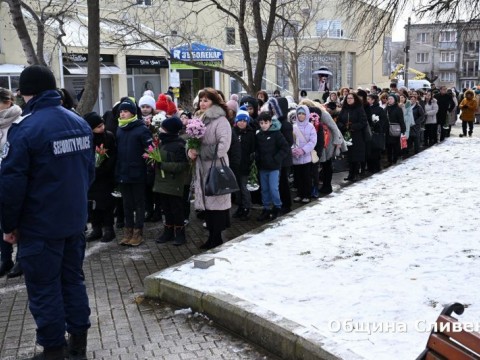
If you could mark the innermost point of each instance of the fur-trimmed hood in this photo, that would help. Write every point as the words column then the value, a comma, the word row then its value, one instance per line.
column 471, row 92
column 212, row 113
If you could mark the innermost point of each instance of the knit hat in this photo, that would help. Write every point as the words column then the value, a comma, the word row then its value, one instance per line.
column 395, row 96
column 172, row 125
column 232, row 105
column 128, row 105
column 93, row 119
column 35, row 79
column 274, row 107
column 249, row 101
column 242, row 115
column 147, row 100
column 164, row 104
column 149, row 93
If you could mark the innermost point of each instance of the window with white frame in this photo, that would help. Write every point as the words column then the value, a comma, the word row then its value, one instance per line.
column 447, row 56
column 468, row 84
column 470, row 68
column 471, row 46
column 422, row 38
column 447, row 76
column 448, row 36
column 329, row 28
column 422, row 57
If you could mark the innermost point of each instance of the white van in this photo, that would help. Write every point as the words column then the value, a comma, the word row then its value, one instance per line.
column 414, row 84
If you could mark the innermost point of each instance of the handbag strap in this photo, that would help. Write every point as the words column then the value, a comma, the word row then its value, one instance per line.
column 215, row 156
column 295, row 127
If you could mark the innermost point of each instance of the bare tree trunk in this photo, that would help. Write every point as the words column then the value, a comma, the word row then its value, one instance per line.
column 90, row 94
column 22, row 32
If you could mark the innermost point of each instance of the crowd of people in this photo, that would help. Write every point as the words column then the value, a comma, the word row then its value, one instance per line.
column 148, row 160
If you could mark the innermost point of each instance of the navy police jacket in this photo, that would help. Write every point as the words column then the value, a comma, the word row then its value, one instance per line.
column 132, row 142
column 46, row 169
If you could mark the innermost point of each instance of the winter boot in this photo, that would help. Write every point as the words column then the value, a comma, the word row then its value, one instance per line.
column 77, row 346
column 168, row 234
column 470, row 133
column 56, row 353
column 274, row 212
column 5, row 267
column 238, row 213
column 137, row 237
column 208, row 244
column 246, row 215
column 127, row 236
column 314, row 192
column 265, row 215
column 16, row 271
column 95, row 234
column 179, row 236
column 108, row 234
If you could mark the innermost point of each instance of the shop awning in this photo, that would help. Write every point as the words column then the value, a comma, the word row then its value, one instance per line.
column 76, row 69
column 11, row 68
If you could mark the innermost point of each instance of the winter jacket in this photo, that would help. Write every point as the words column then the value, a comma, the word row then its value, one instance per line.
column 102, row 187
column 468, row 106
column 286, row 129
column 132, row 142
column 431, row 112
column 354, row 120
column 381, row 125
column 336, row 137
column 419, row 118
column 7, row 117
column 445, row 105
column 218, row 133
column 246, row 139
column 47, row 168
column 407, row 117
column 271, row 148
column 172, row 174
column 305, row 138
column 395, row 116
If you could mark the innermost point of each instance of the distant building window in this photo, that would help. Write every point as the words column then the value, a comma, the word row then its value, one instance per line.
column 422, row 57
column 329, row 28
column 422, row 38
column 471, row 47
column 144, row 2
column 448, row 36
column 470, row 68
column 447, row 76
column 447, row 56
column 468, row 84
column 230, row 35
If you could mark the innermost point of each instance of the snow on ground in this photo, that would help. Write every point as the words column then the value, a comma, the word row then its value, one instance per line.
column 389, row 251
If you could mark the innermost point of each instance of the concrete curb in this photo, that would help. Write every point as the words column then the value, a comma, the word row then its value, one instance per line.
column 280, row 336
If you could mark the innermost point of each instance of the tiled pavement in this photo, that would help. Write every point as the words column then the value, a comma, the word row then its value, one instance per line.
column 124, row 324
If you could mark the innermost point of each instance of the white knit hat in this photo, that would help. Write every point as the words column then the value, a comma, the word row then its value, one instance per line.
column 147, row 100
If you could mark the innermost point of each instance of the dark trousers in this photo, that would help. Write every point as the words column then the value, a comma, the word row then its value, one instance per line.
column 186, row 202
column 393, row 150
column 6, row 251
column 431, row 134
column 173, row 211
column 315, row 174
column 133, row 204
column 464, row 127
column 103, row 217
column 152, row 200
column 284, row 188
column 327, row 174
column 243, row 197
column 303, row 179
column 217, row 221
column 57, row 295
column 414, row 140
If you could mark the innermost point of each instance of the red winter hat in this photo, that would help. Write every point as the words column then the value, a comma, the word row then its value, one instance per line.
column 164, row 104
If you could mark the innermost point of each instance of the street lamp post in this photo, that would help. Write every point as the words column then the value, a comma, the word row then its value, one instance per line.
column 407, row 54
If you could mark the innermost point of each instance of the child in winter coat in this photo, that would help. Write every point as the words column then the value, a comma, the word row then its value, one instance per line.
column 305, row 140
column 170, row 177
column 246, row 137
column 270, row 150
column 468, row 106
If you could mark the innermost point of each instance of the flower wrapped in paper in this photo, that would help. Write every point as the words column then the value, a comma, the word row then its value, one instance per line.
column 100, row 155
column 153, row 156
column 195, row 130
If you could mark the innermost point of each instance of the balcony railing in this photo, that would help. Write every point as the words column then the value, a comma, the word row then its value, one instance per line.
column 446, row 66
column 447, row 45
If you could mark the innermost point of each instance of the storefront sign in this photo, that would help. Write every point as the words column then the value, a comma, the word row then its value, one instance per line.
column 83, row 58
column 196, row 52
column 147, row 62
column 178, row 65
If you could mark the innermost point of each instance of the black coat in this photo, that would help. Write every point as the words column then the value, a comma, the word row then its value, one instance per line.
column 445, row 103
column 246, row 139
column 380, row 126
column 354, row 120
column 271, row 148
column 395, row 116
column 286, row 129
column 104, row 183
column 419, row 117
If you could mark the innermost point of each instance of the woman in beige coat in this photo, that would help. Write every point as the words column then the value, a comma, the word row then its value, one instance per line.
column 218, row 134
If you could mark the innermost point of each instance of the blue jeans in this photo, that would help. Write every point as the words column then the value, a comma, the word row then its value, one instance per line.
column 269, row 180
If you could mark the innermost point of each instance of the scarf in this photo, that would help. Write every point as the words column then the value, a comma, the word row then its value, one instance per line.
column 125, row 122
column 7, row 117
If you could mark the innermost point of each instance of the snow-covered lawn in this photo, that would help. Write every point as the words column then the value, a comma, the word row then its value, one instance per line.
column 388, row 252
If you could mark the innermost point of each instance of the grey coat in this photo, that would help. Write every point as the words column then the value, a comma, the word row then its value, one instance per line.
column 217, row 131
column 336, row 138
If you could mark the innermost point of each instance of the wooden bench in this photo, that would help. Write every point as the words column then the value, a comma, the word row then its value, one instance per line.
column 445, row 344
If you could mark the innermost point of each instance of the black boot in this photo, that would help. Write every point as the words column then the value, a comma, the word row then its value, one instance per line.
column 208, row 244
column 108, row 234
column 95, row 234
column 246, row 215
column 5, row 267
column 168, row 234
column 77, row 346
column 179, row 236
column 274, row 212
column 265, row 215
column 16, row 271
column 238, row 213
column 57, row 353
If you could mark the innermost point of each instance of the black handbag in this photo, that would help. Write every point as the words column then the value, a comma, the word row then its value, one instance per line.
column 220, row 179
column 378, row 141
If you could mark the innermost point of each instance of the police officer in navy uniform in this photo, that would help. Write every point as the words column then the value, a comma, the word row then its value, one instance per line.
column 46, row 170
